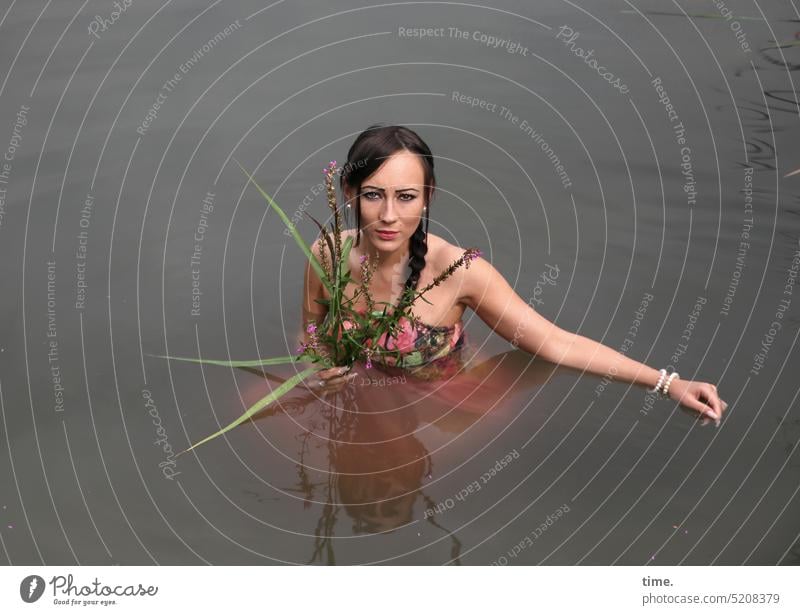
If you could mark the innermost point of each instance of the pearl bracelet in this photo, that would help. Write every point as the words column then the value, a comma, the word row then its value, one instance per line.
column 660, row 380
column 669, row 381
column 665, row 390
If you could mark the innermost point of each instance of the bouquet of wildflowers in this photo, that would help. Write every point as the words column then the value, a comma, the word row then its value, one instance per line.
column 346, row 334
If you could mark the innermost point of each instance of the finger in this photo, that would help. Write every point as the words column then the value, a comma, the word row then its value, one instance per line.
column 703, row 408
column 718, row 405
column 712, row 401
column 339, row 371
column 323, row 382
column 336, row 381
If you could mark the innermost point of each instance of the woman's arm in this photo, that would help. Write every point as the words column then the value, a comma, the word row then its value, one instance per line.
column 486, row 291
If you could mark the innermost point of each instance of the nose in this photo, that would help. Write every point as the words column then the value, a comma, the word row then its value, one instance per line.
column 388, row 213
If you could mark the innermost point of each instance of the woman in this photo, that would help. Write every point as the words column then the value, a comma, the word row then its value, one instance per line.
column 389, row 182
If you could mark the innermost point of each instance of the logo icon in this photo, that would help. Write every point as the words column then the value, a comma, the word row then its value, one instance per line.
column 31, row 588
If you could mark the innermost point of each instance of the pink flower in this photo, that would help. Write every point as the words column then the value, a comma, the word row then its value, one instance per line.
column 405, row 339
column 470, row 255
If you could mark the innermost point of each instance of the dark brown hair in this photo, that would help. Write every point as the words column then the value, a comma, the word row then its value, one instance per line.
column 367, row 153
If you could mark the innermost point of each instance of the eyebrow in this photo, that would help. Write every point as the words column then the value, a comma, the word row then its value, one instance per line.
column 384, row 190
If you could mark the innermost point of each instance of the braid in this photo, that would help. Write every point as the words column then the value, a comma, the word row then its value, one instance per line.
column 418, row 247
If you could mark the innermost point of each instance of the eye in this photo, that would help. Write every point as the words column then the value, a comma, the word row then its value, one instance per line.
column 410, row 196
column 371, row 195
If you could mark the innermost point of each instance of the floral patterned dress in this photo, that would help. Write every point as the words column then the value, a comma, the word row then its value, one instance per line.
column 426, row 351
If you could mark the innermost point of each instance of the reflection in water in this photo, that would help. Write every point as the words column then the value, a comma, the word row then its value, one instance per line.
column 777, row 57
column 366, row 439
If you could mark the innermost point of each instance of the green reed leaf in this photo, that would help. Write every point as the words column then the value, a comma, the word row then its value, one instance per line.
column 293, row 230
column 348, row 244
column 784, row 45
column 697, row 15
column 259, row 405
column 252, row 363
column 325, row 235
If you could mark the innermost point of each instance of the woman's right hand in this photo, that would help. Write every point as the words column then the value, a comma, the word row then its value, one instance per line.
column 701, row 397
column 332, row 379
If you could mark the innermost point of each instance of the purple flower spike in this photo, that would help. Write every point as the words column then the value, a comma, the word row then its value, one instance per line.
column 312, row 328
column 369, row 363
column 363, row 258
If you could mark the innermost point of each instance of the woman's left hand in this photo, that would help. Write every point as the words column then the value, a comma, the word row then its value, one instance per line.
column 699, row 396
column 333, row 378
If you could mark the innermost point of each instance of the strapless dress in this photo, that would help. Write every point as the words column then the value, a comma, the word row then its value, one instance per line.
column 424, row 350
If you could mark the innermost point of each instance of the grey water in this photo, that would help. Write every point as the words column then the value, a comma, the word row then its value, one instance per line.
column 626, row 166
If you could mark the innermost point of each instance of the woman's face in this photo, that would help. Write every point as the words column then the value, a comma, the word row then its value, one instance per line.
column 392, row 200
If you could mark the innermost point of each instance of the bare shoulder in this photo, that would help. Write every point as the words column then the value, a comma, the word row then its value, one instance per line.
column 441, row 252
column 442, row 255
column 476, row 283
